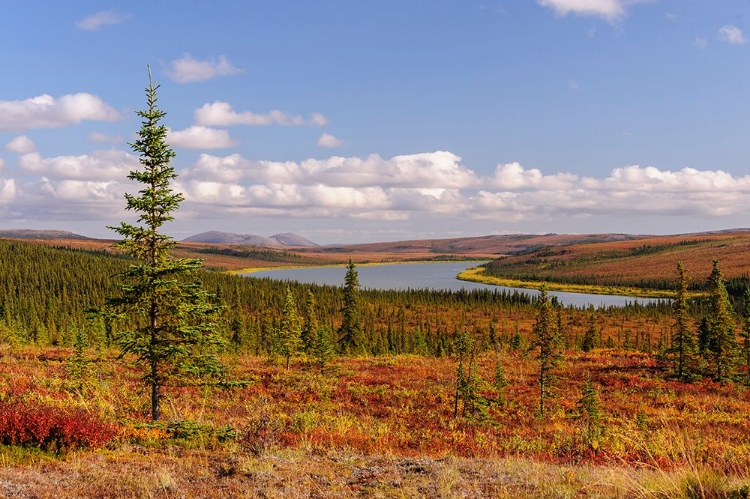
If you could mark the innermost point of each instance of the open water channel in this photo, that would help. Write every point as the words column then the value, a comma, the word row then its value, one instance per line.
column 433, row 275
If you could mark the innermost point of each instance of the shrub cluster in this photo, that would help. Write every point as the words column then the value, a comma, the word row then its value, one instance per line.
column 23, row 422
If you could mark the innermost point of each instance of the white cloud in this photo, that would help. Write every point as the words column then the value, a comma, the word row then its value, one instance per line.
column 573, row 85
column 731, row 34
column 188, row 69
column 407, row 187
column 98, row 166
column 199, row 137
column 45, row 111
column 670, row 16
column 8, row 189
column 2, row 164
column 101, row 137
column 329, row 141
column 221, row 114
column 20, row 145
column 700, row 42
column 607, row 9
column 439, row 169
column 436, row 183
column 95, row 21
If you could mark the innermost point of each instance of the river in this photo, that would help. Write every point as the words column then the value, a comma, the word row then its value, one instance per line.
column 432, row 275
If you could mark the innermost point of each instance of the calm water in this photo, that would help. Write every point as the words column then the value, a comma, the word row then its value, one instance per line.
column 439, row 275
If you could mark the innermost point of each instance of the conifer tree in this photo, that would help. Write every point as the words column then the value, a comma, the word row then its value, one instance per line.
column 173, row 336
column 547, row 339
column 745, row 334
column 310, row 326
column 722, row 344
column 350, row 331
column 288, row 339
column 589, row 337
column 590, row 414
column 321, row 348
column 683, row 341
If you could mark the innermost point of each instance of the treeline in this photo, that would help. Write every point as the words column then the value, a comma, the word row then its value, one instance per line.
column 735, row 285
column 48, row 294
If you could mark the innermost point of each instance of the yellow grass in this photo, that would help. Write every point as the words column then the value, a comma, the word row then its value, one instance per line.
column 476, row 274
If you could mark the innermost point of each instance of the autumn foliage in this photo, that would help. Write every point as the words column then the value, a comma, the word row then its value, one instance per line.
column 25, row 422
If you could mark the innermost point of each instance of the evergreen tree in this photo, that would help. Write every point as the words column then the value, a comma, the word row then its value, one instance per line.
column 288, row 339
column 745, row 334
column 173, row 337
column 547, row 339
column 310, row 326
column 500, row 383
column 722, row 344
column 683, row 340
column 589, row 338
column 590, row 414
column 322, row 350
column 350, row 331
column 704, row 337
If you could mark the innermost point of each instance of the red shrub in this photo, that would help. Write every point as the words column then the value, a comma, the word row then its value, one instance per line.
column 54, row 428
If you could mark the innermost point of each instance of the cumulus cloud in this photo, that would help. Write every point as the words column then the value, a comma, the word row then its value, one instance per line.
column 731, row 34
column 437, row 183
column 413, row 186
column 8, row 189
column 94, row 22
column 221, row 114
column 607, row 9
column 700, row 42
column 2, row 164
column 97, row 166
column 45, row 111
column 101, row 137
column 439, row 169
column 329, row 141
column 199, row 137
column 20, row 145
column 189, row 70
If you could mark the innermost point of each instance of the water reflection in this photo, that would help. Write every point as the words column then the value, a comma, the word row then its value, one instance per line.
column 433, row 275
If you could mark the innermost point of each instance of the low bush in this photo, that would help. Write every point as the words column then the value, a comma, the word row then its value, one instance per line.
column 23, row 422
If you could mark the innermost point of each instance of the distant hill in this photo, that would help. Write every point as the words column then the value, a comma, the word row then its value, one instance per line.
column 39, row 234
column 275, row 241
column 485, row 245
column 291, row 239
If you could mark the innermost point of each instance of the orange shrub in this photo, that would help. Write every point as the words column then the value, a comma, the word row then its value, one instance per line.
column 23, row 422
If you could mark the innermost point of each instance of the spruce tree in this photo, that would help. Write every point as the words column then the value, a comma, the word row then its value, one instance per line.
column 288, row 339
column 350, row 331
column 173, row 336
column 547, row 340
column 310, row 326
column 589, row 338
column 722, row 343
column 745, row 334
column 682, row 348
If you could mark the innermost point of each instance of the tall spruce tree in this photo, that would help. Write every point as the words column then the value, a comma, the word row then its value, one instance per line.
column 547, row 339
column 745, row 335
column 310, row 323
column 288, row 336
column 350, row 331
column 174, row 337
column 722, row 343
column 682, row 349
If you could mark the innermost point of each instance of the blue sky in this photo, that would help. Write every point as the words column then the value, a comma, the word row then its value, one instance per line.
column 353, row 121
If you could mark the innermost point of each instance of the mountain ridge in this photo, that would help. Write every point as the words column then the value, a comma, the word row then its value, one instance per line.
column 284, row 239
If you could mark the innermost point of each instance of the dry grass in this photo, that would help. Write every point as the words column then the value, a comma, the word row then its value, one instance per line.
column 383, row 427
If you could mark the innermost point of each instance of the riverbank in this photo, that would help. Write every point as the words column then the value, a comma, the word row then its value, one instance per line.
column 251, row 270
column 476, row 274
